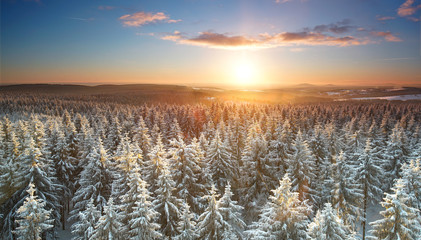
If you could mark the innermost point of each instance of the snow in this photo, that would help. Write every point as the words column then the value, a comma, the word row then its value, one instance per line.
column 393, row 98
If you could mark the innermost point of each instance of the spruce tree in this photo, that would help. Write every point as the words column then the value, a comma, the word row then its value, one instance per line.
column 166, row 203
column 95, row 181
column 368, row 174
column 301, row 169
column 34, row 219
column 231, row 212
column 400, row 220
column 211, row 224
column 84, row 228
column 186, row 226
column 108, row 225
column 283, row 217
column 327, row 225
column 142, row 216
column 220, row 165
column 346, row 194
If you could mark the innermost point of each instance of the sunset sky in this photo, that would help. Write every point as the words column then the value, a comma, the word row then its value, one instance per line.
column 263, row 43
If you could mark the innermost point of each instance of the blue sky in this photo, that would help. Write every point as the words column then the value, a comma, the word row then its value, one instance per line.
column 207, row 42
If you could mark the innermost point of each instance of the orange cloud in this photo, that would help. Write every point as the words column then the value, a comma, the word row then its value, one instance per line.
column 407, row 8
column 141, row 18
column 217, row 40
column 388, row 36
column 385, row 18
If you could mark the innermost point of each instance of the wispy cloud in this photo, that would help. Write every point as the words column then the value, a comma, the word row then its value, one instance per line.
column 105, row 7
column 408, row 8
column 384, row 18
column 82, row 19
column 141, row 18
column 388, row 36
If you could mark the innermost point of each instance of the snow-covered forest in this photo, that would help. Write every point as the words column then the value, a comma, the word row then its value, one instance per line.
column 220, row 170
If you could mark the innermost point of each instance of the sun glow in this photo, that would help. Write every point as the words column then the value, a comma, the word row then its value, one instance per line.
column 245, row 73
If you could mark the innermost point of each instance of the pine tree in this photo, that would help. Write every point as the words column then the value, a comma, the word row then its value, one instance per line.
column 283, row 217
column 166, row 203
column 84, row 228
column 327, row 225
column 108, row 225
column 368, row 175
column 186, row 226
column 231, row 212
column 400, row 220
column 34, row 218
column 142, row 219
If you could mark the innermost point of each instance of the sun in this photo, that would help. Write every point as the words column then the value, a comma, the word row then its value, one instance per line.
column 245, row 72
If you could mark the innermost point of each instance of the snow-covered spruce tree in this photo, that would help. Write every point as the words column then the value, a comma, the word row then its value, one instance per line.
column 43, row 176
column 411, row 174
column 396, row 153
column 368, row 175
column 231, row 212
column 186, row 226
column 327, row 225
column 142, row 217
column 143, row 139
column 95, row 181
column 11, row 176
column 220, row 165
column 113, row 134
column 62, row 161
column 211, row 224
column 33, row 218
column 323, row 181
column 153, row 166
column 84, row 228
column 256, row 173
column 400, row 220
column 166, row 203
column 108, row 225
column 346, row 195
column 301, row 169
column 127, row 158
column 283, row 217
column 185, row 165
column 129, row 199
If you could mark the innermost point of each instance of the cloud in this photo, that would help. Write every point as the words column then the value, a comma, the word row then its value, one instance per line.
column 141, row 18
column 407, row 8
column 388, row 36
column 82, row 19
column 174, row 21
column 104, row 7
column 384, row 18
column 339, row 27
column 265, row 40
